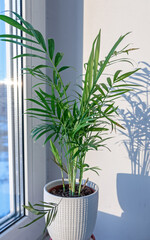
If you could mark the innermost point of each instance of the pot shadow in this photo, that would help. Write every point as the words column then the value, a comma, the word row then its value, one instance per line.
column 133, row 190
column 111, row 227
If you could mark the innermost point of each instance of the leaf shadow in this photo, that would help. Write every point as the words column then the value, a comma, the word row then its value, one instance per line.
column 136, row 120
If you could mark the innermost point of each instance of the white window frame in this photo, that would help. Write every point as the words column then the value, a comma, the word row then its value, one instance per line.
column 34, row 153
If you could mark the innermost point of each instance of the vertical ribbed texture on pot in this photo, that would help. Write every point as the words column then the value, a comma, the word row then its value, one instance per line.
column 76, row 217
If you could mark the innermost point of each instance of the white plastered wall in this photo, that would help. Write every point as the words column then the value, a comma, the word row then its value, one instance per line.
column 64, row 23
column 116, row 18
column 74, row 25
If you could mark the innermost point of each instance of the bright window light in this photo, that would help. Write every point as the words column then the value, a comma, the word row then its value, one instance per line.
column 11, row 122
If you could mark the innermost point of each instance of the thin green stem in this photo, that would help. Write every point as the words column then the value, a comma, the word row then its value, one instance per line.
column 82, row 160
column 80, row 181
column 74, row 172
column 74, row 180
column 63, row 183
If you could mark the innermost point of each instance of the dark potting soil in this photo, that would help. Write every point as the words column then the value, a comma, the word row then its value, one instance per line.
column 58, row 191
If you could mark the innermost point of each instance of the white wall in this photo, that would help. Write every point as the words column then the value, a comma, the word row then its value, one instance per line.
column 116, row 18
column 74, row 27
column 64, row 23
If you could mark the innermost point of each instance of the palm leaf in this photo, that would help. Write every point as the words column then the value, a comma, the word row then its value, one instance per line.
column 96, row 58
column 17, row 37
column 23, row 45
column 50, row 209
column 14, row 23
column 29, row 55
column 110, row 54
column 51, row 48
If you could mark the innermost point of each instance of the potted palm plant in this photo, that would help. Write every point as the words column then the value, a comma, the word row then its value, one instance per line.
column 78, row 125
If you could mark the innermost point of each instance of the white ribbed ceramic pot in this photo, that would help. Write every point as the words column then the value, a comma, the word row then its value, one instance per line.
column 76, row 217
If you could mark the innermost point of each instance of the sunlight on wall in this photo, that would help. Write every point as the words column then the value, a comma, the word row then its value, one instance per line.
column 116, row 18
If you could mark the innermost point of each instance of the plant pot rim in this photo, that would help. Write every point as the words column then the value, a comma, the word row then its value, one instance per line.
column 95, row 187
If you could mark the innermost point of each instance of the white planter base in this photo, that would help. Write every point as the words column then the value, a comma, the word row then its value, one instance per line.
column 76, row 217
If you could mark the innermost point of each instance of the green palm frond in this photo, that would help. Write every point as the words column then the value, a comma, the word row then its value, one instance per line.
column 82, row 123
column 48, row 209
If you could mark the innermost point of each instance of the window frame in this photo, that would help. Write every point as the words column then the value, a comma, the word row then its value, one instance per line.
column 34, row 153
column 13, row 85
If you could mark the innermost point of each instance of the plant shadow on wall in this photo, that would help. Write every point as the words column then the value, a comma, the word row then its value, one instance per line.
column 134, row 189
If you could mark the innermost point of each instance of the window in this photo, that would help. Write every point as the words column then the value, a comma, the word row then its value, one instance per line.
column 11, row 145
column 34, row 155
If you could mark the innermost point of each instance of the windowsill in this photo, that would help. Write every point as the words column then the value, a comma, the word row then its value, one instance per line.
column 46, row 237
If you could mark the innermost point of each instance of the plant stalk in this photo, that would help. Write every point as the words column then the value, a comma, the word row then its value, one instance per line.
column 74, row 172
column 74, row 180
column 80, row 182
column 63, row 183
